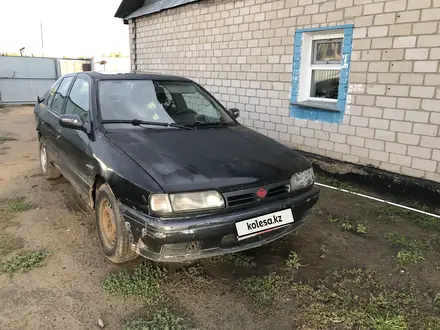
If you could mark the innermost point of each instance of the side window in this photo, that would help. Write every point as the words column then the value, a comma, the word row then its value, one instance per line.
column 78, row 101
column 52, row 91
column 61, row 94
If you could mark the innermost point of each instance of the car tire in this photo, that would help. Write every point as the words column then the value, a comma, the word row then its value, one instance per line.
column 47, row 169
column 114, row 237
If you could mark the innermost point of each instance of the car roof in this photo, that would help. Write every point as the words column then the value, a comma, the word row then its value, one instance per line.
column 133, row 76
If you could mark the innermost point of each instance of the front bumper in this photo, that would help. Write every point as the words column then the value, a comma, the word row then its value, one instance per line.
column 183, row 239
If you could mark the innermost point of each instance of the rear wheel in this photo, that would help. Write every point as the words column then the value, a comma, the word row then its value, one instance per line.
column 49, row 171
column 114, row 237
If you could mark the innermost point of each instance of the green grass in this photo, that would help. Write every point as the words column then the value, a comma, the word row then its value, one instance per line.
column 411, row 250
column 262, row 291
column 10, row 243
column 162, row 319
column 5, row 110
column 4, row 138
column 329, row 181
column 348, row 224
column 237, row 259
column 389, row 323
column 23, row 262
column 15, row 205
column 193, row 276
column 359, row 299
column 397, row 214
column 293, row 261
column 405, row 257
column 437, row 299
column 401, row 241
column 144, row 282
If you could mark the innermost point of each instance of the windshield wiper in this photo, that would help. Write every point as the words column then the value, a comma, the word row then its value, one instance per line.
column 205, row 124
column 137, row 122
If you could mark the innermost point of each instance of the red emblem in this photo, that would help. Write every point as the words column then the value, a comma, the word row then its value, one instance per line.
column 262, row 193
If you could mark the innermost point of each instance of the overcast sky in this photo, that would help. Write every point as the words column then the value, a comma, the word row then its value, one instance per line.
column 70, row 27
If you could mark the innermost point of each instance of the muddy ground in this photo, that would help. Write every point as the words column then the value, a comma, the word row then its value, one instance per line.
column 355, row 264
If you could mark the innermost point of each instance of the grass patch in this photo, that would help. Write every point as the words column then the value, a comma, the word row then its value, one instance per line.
column 397, row 214
column 405, row 257
column 4, row 138
column 437, row 299
column 237, row 259
column 350, row 225
column 10, row 243
column 408, row 243
column 193, row 276
column 144, row 282
column 262, row 291
column 359, row 299
column 15, row 205
column 293, row 261
column 163, row 319
column 389, row 323
column 5, row 110
column 329, row 181
column 411, row 250
column 23, row 262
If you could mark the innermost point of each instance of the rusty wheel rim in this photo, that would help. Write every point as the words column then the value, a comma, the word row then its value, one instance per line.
column 107, row 224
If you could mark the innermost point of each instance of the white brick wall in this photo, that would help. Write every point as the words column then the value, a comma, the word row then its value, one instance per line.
column 242, row 52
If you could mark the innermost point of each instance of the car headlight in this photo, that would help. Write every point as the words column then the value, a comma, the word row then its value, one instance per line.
column 186, row 202
column 302, row 179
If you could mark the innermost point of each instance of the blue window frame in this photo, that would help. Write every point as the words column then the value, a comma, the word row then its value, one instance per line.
column 305, row 102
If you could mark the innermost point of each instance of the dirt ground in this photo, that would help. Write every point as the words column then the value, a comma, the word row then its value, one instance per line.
column 348, row 267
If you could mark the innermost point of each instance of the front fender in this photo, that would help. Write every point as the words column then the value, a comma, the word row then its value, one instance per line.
column 130, row 184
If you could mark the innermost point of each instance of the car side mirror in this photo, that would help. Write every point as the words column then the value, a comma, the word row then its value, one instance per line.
column 39, row 100
column 72, row 121
column 235, row 112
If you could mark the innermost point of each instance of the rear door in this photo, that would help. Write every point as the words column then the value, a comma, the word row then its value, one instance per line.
column 75, row 144
column 49, row 125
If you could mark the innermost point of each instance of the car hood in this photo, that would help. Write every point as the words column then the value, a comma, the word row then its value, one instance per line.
column 225, row 159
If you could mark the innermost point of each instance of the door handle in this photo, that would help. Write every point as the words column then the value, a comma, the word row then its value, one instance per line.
column 59, row 133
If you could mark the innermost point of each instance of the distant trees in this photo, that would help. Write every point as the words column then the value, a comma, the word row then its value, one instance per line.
column 113, row 54
column 10, row 54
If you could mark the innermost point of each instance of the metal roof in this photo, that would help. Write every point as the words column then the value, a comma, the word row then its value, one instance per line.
column 128, row 6
column 132, row 9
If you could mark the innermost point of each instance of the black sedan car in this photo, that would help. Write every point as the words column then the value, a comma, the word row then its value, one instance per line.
column 169, row 171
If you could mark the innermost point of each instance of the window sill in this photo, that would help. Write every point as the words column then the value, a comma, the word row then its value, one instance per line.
column 328, row 106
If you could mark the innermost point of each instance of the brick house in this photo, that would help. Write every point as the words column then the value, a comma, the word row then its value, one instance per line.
column 352, row 80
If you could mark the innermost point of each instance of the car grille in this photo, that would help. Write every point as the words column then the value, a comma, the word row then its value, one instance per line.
column 249, row 196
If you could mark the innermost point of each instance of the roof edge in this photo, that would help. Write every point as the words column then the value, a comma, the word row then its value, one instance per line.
column 156, row 7
column 127, row 7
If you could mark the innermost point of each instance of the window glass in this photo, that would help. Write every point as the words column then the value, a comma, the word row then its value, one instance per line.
column 328, row 51
column 52, row 91
column 61, row 94
column 325, row 84
column 159, row 101
column 78, row 101
column 201, row 105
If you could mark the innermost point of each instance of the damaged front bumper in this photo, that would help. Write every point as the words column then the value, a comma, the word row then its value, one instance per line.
column 201, row 236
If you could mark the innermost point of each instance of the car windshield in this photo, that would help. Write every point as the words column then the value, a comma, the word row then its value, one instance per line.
column 159, row 101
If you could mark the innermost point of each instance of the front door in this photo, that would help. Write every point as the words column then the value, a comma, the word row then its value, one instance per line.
column 75, row 144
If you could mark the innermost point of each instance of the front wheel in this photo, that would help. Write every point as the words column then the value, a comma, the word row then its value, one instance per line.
column 49, row 171
column 114, row 237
